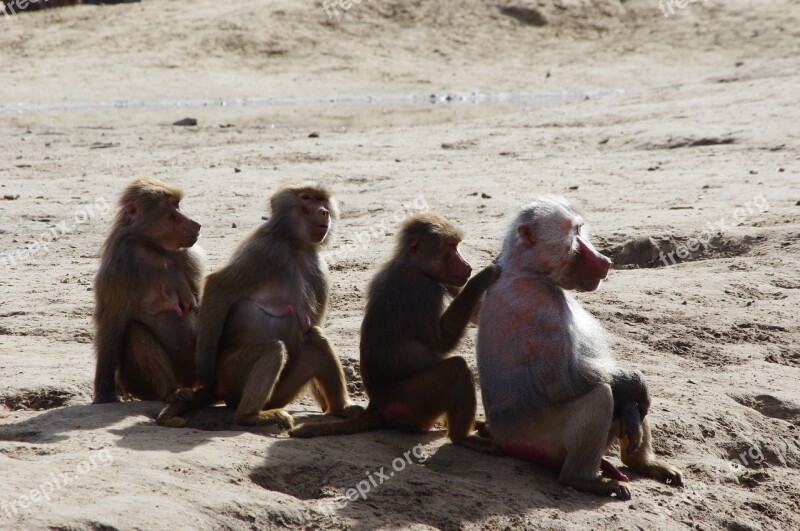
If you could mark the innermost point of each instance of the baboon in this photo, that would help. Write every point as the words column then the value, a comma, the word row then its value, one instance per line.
column 146, row 295
column 407, row 336
column 548, row 377
column 259, row 336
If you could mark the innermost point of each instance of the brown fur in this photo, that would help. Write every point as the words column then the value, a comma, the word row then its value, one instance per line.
column 408, row 333
column 260, row 340
column 548, row 377
column 146, row 294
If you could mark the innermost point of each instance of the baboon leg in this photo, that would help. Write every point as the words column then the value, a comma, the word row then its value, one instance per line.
column 643, row 461
column 316, row 361
column 170, row 416
column 444, row 388
column 586, row 425
column 145, row 371
column 247, row 378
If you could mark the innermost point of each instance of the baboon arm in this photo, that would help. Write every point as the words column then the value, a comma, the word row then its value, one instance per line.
column 458, row 314
column 115, row 307
column 210, row 323
column 108, row 345
column 195, row 264
column 221, row 291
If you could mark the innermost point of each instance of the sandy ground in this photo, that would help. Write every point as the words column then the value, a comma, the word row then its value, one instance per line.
column 689, row 135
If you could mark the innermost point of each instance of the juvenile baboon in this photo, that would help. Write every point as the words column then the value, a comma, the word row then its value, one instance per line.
column 548, row 377
column 407, row 336
column 259, row 335
column 146, row 294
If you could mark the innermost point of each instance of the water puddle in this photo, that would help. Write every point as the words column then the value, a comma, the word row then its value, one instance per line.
column 443, row 99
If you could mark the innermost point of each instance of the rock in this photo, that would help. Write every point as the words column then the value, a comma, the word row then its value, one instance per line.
column 186, row 122
column 530, row 16
column 641, row 252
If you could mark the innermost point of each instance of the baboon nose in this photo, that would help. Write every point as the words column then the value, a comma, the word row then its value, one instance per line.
column 607, row 263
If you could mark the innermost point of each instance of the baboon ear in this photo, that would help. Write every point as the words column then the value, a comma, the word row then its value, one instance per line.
column 130, row 209
column 413, row 249
column 526, row 235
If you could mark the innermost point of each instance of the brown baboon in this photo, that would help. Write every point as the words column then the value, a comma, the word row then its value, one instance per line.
column 548, row 377
column 146, row 294
column 259, row 336
column 407, row 336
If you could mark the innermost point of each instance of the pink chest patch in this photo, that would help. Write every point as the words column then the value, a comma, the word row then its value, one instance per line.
column 305, row 320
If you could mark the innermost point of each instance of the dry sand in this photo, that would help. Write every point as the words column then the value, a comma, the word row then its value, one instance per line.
column 689, row 119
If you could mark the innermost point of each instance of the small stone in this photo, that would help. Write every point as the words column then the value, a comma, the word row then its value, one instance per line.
column 186, row 122
column 313, row 134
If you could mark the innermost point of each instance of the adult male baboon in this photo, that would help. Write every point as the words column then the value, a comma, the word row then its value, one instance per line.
column 548, row 377
column 259, row 337
column 146, row 294
column 407, row 336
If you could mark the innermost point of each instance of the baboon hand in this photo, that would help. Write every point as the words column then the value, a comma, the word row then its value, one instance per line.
column 183, row 394
column 630, row 427
column 489, row 275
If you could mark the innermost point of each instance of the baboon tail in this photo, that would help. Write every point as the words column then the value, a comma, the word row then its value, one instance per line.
column 368, row 420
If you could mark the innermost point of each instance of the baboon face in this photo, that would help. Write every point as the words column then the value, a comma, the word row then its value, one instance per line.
column 589, row 267
column 560, row 248
column 164, row 223
column 448, row 266
column 314, row 215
